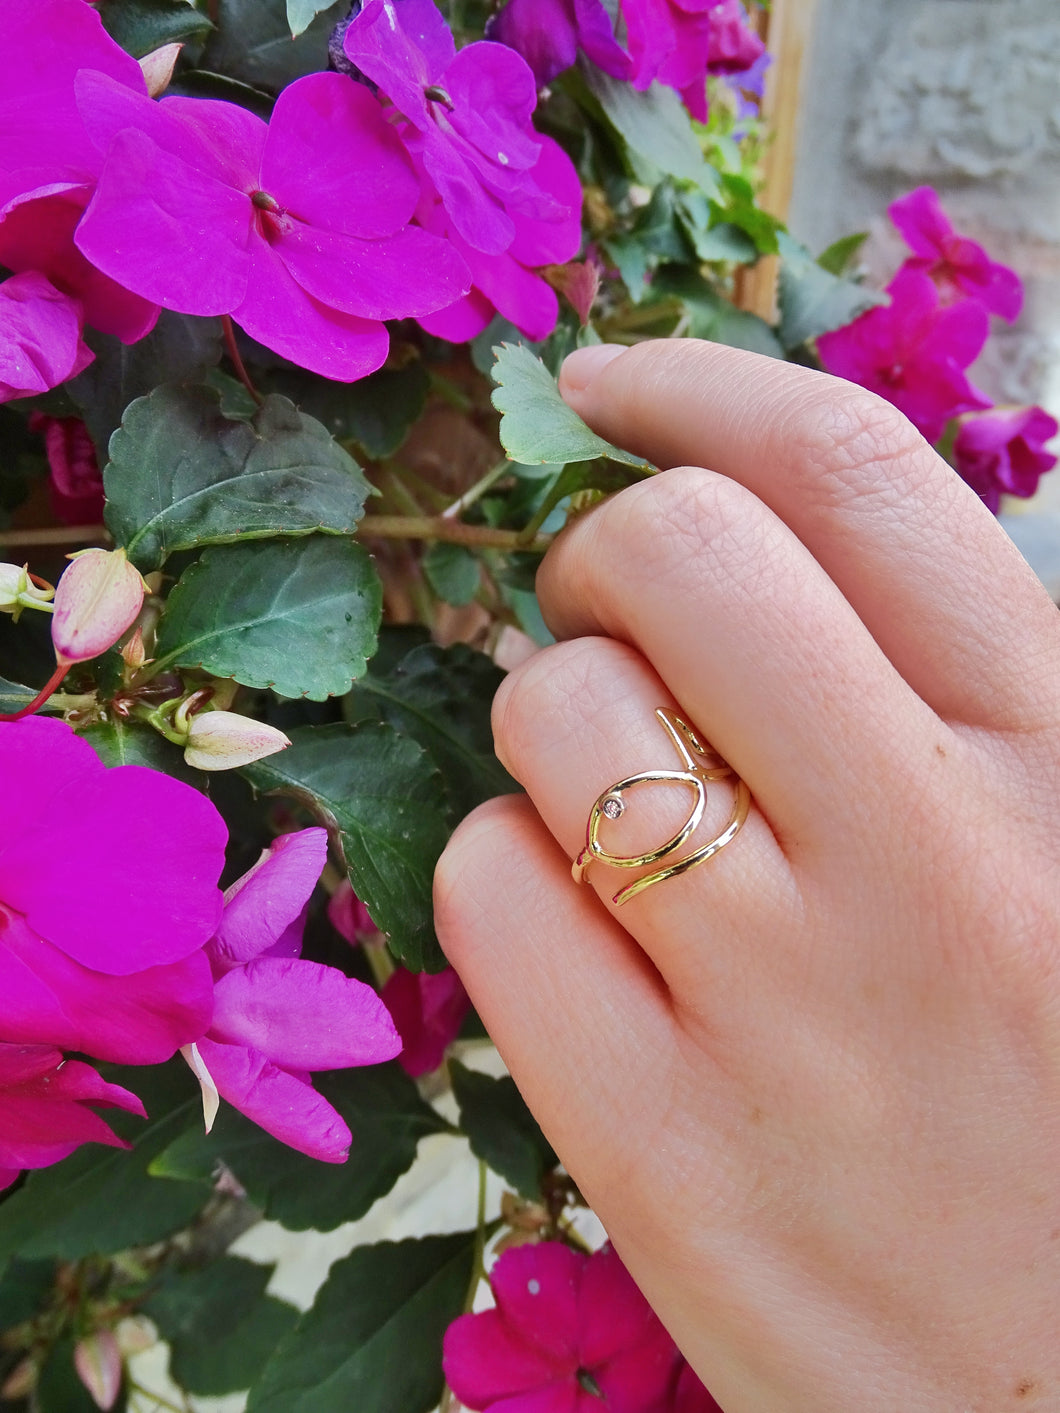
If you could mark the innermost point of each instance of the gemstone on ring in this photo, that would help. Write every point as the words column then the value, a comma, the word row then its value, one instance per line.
column 613, row 807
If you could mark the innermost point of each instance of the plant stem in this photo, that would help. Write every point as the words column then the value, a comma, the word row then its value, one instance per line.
column 475, row 492
column 436, row 527
column 237, row 361
column 61, row 669
column 54, row 535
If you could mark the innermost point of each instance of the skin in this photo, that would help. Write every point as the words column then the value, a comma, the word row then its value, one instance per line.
column 812, row 1086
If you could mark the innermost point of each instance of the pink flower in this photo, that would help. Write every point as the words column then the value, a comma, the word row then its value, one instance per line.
column 913, row 352
column 108, row 892
column 43, row 1108
column 75, row 482
column 506, row 283
column 1003, row 450
column 96, row 600
column 40, row 337
column 570, row 1334
column 428, row 1011
column 277, row 1017
column 960, row 268
column 468, row 117
column 348, row 915
column 549, row 34
column 733, row 46
column 669, row 40
column 298, row 229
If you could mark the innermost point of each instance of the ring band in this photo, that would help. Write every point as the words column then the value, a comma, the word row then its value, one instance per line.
column 611, row 806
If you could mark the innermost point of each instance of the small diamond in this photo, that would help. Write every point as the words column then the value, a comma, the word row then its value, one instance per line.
column 613, row 807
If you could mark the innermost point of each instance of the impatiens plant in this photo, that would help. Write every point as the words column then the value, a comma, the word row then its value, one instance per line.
column 284, row 287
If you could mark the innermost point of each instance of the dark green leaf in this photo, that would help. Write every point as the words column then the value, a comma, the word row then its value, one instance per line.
column 386, row 1116
column 453, row 572
column 182, row 474
column 299, row 616
column 142, row 25
column 220, row 1324
column 376, row 412
column 537, row 425
column 301, row 13
column 179, row 348
column 119, row 742
column 501, row 1129
column 60, row 1390
column 253, row 42
column 101, row 1200
column 655, row 124
column 713, row 317
column 384, row 796
column 202, row 83
column 25, row 1288
column 738, row 206
column 841, row 254
column 441, row 697
column 373, row 1340
column 726, row 242
column 812, row 301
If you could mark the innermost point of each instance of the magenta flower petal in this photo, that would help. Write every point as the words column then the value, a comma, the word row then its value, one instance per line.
column 172, row 234
column 959, row 267
column 428, row 1011
column 359, row 182
column 538, row 1289
column 283, row 1104
column 40, row 337
column 279, row 313
column 39, row 758
column 302, row 1015
column 126, row 897
column 261, row 907
column 734, row 47
column 39, row 235
column 404, row 46
column 669, row 40
column 1003, row 450
column 552, row 242
column 614, row 1314
column 463, row 320
column 142, row 1019
column 409, row 273
column 690, row 1395
column 549, row 33
column 485, row 1361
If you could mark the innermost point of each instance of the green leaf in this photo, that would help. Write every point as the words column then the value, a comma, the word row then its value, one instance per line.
column 441, row 697
column 140, row 26
column 377, row 412
column 220, row 1324
column 537, row 425
column 182, row 474
column 581, row 476
column 386, row 1116
column 382, row 794
column 25, row 1288
column 841, row 254
column 178, row 349
column 119, row 742
column 253, row 42
column 202, row 83
column 299, row 616
column 501, row 1129
column 453, row 573
column 713, row 317
column 373, row 1340
column 739, row 207
column 655, row 124
column 301, row 14
column 101, row 1200
column 812, row 301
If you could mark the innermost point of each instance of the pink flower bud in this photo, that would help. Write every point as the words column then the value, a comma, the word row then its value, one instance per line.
column 96, row 600
column 158, row 67
column 223, row 740
column 98, row 1362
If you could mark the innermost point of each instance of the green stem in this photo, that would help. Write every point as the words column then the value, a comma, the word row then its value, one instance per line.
column 436, row 527
column 475, row 492
column 157, row 1398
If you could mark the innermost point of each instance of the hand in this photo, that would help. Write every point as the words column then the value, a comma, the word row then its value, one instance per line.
column 812, row 1085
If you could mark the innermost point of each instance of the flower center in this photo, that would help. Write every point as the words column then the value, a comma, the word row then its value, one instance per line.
column 434, row 93
column 589, row 1384
column 264, row 202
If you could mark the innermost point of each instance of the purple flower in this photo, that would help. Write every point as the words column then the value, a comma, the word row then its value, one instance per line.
column 570, row 1334
column 549, row 34
column 298, row 229
column 468, row 116
column 734, row 46
column 960, row 268
column 913, row 352
column 1003, row 450
column 428, row 1011
column 40, row 337
column 108, row 892
column 277, row 1017
column 43, row 1113
column 506, row 283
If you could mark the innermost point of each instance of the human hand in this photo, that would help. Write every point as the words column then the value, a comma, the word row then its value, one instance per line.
column 811, row 1086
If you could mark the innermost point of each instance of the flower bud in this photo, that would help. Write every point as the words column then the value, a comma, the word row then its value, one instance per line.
column 158, row 67
column 96, row 600
column 98, row 1362
column 18, row 591
column 223, row 740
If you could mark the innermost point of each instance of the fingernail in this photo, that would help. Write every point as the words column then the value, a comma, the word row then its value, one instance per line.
column 582, row 366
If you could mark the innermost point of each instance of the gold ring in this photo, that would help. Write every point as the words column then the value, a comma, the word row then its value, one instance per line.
column 611, row 806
